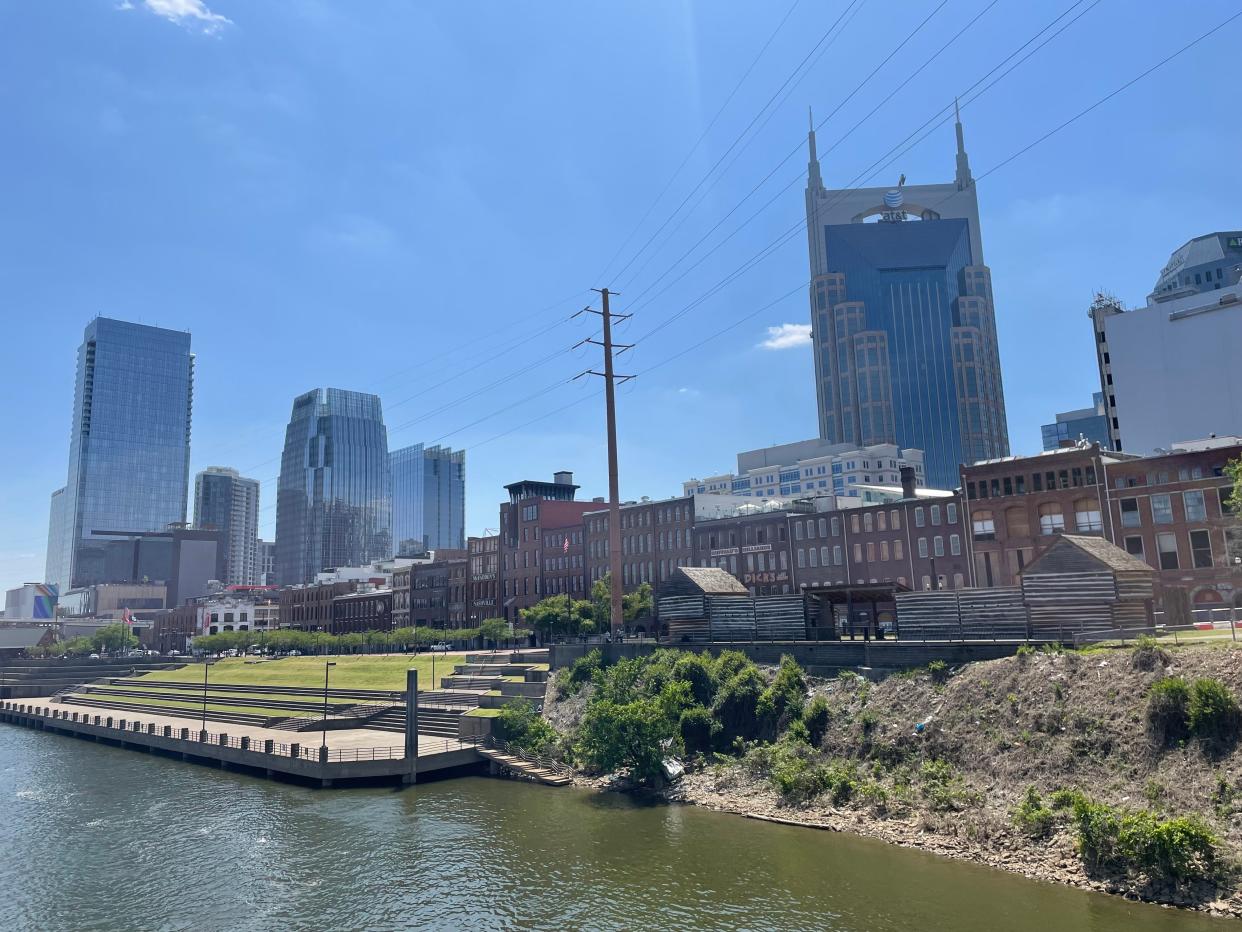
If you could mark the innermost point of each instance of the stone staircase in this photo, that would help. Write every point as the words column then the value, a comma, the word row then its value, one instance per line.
column 516, row 761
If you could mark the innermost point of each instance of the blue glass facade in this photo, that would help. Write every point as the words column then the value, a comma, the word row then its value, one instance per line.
column 129, row 451
column 428, row 498
column 904, row 329
column 334, row 499
column 228, row 502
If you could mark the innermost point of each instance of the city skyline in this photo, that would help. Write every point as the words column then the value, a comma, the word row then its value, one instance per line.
column 1058, row 226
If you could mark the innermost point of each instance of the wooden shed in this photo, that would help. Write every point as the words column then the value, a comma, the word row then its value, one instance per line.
column 685, row 600
column 1085, row 584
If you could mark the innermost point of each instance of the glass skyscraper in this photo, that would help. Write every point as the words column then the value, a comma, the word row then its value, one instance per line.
column 129, row 447
column 428, row 499
column 226, row 501
column 333, row 500
column 902, row 320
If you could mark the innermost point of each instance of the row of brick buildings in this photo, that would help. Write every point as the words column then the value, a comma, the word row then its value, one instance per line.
column 1168, row 510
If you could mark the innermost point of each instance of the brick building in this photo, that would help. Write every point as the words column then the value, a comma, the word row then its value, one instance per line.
column 1164, row 509
column 482, row 578
column 309, row 607
column 656, row 538
column 401, row 595
column 753, row 547
column 534, row 508
column 365, row 609
column 438, row 591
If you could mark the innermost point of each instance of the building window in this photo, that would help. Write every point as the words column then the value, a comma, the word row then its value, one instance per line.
column 1195, row 508
column 836, row 527
column 1201, row 550
column 1051, row 520
column 867, row 526
column 838, row 556
column 854, row 523
column 1166, row 544
column 824, row 557
column 1017, row 521
column 813, row 557
column 894, row 520
column 899, row 550
column 1087, row 515
column 1161, row 509
column 984, row 526
column 922, row 546
column 955, row 545
column 938, row 546
column 1134, row 547
column 883, row 549
column 919, row 519
column 823, row 527
column 797, row 530
column 935, row 514
column 801, row 558
column 857, row 553
column 950, row 512
column 1130, row 513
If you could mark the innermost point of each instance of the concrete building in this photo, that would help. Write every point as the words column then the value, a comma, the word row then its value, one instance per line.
column 1162, row 367
column 334, row 498
column 903, row 325
column 806, row 468
column 265, row 562
column 31, row 602
column 1089, row 424
column 224, row 501
column 1166, row 509
column 129, row 445
column 428, row 499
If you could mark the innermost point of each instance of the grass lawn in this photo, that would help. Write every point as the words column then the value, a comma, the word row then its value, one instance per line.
column 353, row 671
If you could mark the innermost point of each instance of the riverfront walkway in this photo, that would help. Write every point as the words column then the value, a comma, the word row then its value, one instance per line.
column 343, row 754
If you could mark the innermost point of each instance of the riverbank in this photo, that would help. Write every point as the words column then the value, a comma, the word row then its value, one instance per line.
column 983, row 764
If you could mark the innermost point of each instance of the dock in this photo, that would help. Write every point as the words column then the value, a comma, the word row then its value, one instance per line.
column 327, row 759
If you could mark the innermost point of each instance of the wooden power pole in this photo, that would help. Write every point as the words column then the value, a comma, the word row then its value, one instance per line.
column 610, row 403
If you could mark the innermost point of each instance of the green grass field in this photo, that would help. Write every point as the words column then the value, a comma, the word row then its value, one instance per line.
column 189, row 707
column 354, row 671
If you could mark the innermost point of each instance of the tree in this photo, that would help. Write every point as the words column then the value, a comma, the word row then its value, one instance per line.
column 634, row 605
column 494, row 630
column 1233, row 502
column 630, row 735
column 556, row 613
column 113, row 637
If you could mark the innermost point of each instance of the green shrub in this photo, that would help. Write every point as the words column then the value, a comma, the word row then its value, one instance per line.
column 1168, row 710
column 737, row 705
column 1032, row 816
column 782, row 700
column 840, row 780
column 519, row 724
column 696, row 726
column 816, row 717
column 730, row 663
column 1176, row 849
column 943, row 789
column 630, row 735
column 580, row 672
column 794, row 776
column 697, row 670
column 1024, row 653
column 1065, row 799
column 939, row 671
column 1213, row 713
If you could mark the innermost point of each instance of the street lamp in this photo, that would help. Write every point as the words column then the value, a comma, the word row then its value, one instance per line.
column 327, row 665
column 204, row 726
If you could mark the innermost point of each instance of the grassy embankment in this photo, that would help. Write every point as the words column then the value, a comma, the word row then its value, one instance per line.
column 352, row 671
column 1117, row 769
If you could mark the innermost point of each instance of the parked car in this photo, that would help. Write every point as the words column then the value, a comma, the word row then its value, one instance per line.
column 94, row 657
column 442, row 646
column 174, row 653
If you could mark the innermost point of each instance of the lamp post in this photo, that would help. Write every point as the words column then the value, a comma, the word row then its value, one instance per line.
column 205, row 665
column 326, row 667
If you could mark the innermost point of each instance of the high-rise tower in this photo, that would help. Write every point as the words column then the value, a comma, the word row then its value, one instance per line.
column 428, row 499
column 129, row 447
column 902, row 320
column 334, row 499
column 226, row 501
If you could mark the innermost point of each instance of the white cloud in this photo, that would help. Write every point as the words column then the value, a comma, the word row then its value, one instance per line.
column 787, row 336
column 183, row 12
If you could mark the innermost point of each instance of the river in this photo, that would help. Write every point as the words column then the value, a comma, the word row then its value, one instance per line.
column 95, row 837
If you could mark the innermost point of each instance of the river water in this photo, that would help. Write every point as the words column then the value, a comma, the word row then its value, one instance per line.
column 95, row 837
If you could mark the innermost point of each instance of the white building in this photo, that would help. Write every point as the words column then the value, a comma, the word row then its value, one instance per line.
column 1166, row 369
column 811, row 468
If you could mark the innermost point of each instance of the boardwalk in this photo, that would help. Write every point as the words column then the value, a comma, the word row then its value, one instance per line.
column 342, row 754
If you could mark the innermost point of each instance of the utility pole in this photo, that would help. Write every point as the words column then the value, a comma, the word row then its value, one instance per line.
column 610, row 402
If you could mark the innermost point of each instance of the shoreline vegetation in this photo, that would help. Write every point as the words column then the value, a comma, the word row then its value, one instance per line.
column 1116, row 770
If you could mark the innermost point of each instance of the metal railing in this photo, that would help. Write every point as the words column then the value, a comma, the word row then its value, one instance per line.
column 1178, row 634
column 542, row 761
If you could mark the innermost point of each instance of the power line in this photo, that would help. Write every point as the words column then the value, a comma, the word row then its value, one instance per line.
column 694, row 148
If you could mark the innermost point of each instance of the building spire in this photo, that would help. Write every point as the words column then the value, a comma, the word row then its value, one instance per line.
column 812, row 175
column 963, row 163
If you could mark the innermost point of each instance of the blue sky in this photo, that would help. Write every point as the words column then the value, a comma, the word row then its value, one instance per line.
column 412, row 198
